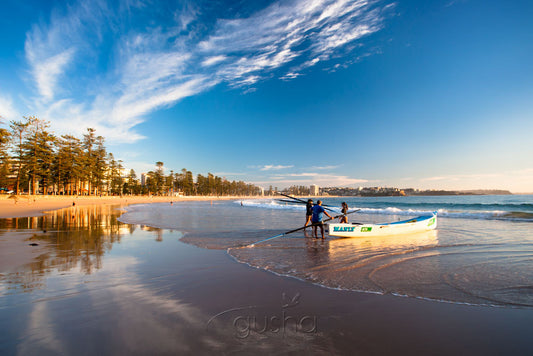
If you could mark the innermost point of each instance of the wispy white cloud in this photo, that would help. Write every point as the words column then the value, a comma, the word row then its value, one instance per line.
column 7, row 109
column 139, row 167
column 229, row 174
column 213, row 60
column 48, row 71
column 274, row 167
column 51, row 49
column 284, row 32
column 457, row 177
column 308, row 178
column 453, row 2
column 308, row 174
column 149, row 66
column 513, row 180
column 324, row 167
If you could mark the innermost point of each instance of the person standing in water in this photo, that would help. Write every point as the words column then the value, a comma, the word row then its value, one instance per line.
column 344, row 210
column 308, row 211
column 316, row 219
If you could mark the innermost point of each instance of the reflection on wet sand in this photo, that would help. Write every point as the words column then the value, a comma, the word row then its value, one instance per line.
column 425, row 238
column 69, row 238
column 137, row 321
column 157, row 232
column 342, row 248
column 355, row 252
column 95, row 292
column 75, row 241
column 345, row 263
column 418, row 265
column 317, row 252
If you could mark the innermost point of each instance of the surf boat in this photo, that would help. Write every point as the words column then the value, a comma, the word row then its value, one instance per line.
column 418, row 224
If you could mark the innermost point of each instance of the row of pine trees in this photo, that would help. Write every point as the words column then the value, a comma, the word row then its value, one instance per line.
column 35, row 160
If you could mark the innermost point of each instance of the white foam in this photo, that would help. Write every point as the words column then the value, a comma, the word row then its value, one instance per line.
column 392, row 210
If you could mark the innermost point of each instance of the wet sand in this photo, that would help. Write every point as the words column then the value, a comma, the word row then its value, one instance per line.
column 100, row 286
column 37, row 205
column 15, row 251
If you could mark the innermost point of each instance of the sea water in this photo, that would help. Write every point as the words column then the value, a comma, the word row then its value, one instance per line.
column 481, row 252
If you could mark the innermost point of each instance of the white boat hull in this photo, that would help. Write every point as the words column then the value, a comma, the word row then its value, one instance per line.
column 418, row 224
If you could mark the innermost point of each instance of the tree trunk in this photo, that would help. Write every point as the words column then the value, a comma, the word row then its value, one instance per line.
column 33, row 183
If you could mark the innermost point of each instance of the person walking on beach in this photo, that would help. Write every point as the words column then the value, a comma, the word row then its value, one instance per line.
column 344, row 211
column 316, row 219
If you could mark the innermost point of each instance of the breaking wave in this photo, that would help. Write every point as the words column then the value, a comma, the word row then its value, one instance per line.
column 490, row 210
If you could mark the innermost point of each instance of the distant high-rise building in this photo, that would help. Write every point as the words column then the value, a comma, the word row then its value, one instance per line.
column 314, row 189
column 143, row 179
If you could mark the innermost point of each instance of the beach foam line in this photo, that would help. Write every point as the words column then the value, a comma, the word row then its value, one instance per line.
column 523, row 216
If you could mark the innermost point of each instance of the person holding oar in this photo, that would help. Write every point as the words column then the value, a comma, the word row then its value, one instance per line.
column 316, row 219
column 291, row 231
column 308, row 211
column 344, row 211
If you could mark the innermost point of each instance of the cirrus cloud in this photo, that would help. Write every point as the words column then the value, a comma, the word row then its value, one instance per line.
column 109, row 65
column 271, row 167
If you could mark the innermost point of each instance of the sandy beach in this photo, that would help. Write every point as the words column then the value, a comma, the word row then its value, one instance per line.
column 28, row 205
column 94, row 285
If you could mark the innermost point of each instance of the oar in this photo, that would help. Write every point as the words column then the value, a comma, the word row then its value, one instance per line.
column 291, row 201
column 300, row 200
column 298, row 229
column 303, row 201
column 296, row 202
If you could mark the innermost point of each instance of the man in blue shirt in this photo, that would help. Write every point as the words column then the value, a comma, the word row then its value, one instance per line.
column 316, row 219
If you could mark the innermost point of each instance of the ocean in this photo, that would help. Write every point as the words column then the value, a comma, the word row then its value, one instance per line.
column 480, row 254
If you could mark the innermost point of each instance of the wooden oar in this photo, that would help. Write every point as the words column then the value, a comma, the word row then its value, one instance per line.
column 296, row 201
column 290, row 201
column 298, row 229
column 303, row 201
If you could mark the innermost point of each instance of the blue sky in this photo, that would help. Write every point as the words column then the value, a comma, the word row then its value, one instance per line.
column 423, row 94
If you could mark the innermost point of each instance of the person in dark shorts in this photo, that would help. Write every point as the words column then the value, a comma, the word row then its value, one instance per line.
column 316, row 219
column 308, row 212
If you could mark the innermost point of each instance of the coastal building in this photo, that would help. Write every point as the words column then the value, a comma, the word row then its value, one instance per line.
column 143, row 179
column 314, row 189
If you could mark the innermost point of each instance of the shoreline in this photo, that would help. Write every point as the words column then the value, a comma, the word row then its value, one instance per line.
column 39, row 205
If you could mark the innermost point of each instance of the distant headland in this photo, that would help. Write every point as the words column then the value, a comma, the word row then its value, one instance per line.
column 386, row 191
